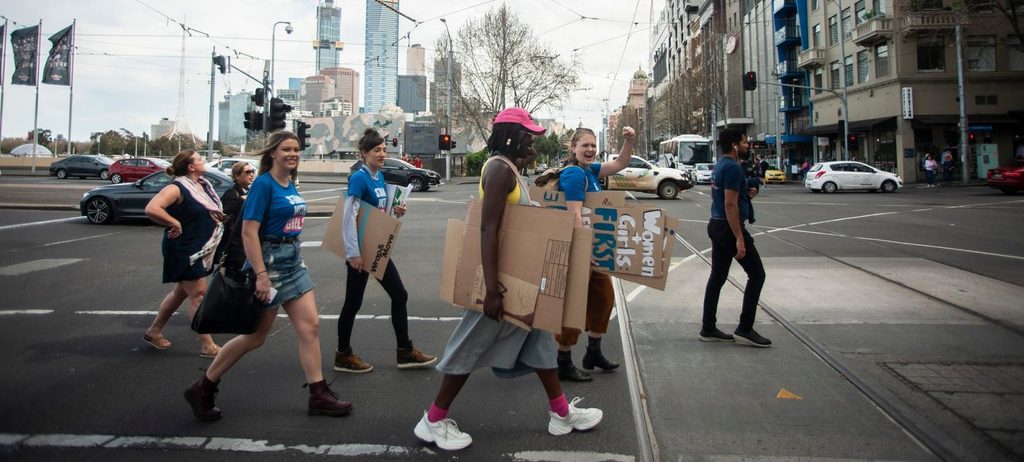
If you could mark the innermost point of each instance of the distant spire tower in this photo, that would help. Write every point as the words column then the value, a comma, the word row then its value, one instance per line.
column 180, row 120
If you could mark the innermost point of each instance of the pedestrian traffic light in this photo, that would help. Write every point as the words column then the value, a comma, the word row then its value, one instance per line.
column 444, row 142
column 223, row 63
column 257, row 98
column 851, row 141
column 453, row 144
column 750, row 81
column 253, row 121
column 302, row 134
column 278, row 110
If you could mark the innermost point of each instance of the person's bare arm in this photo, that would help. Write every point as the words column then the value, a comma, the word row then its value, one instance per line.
column 156, row 209
column 498, row 181
column 732, row 215
column 621, row 162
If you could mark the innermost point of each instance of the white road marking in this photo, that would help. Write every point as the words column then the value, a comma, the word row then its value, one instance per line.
column 433, row 199
column 323, row 199
column 37, row 265
column 852, row 218
column 573, row 456
column 310, row 244
column 324, row 190
column 76, row 240
column 10, row 312
column 36, row 223
column 280, row 315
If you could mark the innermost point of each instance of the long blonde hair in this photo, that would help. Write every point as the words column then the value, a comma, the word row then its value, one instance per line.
column 273, row 142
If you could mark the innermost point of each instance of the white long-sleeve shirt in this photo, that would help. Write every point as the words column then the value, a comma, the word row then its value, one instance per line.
column 349, row 224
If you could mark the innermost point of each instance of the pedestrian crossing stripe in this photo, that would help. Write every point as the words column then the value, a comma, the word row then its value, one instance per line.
column 786, row 394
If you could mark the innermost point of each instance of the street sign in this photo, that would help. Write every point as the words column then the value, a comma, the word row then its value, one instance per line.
column 908, row 102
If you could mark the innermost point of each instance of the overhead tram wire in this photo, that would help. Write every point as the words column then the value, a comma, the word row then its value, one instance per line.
column 624, row 46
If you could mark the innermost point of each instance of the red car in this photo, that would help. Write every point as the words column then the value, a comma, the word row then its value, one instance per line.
column 135, row 168
column 1007, row 179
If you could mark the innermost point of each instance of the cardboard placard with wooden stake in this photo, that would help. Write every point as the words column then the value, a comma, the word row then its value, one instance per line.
column 377, row 232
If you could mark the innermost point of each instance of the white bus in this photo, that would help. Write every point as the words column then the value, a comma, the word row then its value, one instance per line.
column 688, row 150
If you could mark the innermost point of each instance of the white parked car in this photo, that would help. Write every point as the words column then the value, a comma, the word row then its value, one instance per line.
column 847, row 175
column 643, row 176
column 702, row 172
column 225, row 164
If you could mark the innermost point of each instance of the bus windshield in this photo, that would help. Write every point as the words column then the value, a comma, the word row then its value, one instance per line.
column 688, row 149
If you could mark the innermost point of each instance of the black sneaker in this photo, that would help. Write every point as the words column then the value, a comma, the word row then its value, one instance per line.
column 752, row 338
column 715, row 336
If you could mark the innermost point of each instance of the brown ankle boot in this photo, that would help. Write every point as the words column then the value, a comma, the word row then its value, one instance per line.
column 200, row 396
column 323, row 401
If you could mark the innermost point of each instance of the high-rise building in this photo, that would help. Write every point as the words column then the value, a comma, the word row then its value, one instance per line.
column 346, row 84
column 439, row 88
column 381, row 61
column 412, row 93
column 336, row 107
column 230, row 115
column 294, row 83
column 315, row 90
column 328, row 35
column 162, row 128
column 416, row 60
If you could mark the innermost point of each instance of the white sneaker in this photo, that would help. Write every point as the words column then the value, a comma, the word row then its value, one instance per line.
column 445, row 433
column 577, row 419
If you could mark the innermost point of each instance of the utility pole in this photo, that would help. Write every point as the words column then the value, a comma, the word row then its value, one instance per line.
column 213, row 85
column 448, row 112
column 842, row 59
column 960, row 94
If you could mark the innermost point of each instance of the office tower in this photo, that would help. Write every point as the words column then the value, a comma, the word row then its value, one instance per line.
column 412, row 93
column 381, row 62
column 315, row 90
column 346, row 84
column 328, row 35
column 230, row 117
column 416, row 60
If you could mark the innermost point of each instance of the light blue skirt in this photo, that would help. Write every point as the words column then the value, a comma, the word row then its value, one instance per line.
column 479, row 341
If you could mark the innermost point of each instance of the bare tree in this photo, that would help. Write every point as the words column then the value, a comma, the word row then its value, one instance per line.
column 503, row 65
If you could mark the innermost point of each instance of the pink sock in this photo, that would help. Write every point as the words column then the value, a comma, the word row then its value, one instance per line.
column 436, row 414
column 559, row 405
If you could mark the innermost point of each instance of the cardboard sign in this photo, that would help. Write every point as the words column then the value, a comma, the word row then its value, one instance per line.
column 377, row 232
column 628, row 239
column 671, row 226
column 537, row 268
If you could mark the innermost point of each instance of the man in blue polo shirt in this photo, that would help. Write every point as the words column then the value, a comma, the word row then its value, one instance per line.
column 731, row 191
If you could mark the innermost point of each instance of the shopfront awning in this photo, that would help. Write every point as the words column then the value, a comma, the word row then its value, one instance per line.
column 788, row 138
column 925, row 121
column 856, row 126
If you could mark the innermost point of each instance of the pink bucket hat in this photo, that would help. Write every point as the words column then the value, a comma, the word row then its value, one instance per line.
column 518, row 115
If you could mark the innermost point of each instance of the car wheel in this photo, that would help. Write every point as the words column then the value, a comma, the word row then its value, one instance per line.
column 889, row 186
column 829, row 187
column 62, row 174
column 668, row 190
column 104, row 174
column 98, row 211
column 418, row 184
column 116, row 178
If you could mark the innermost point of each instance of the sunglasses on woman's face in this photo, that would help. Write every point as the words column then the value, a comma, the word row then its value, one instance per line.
column 249, row 172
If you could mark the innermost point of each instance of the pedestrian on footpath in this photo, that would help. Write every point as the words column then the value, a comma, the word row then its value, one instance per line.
column 484, row 339
column 930, row 169
column 272, row 219
column 948, row 167
column 579, row 178
column 366, row 184
column 242, row 174
column 191, row 211
column 731, row 192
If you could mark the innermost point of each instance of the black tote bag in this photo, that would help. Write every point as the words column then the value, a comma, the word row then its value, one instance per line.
column 230, row 305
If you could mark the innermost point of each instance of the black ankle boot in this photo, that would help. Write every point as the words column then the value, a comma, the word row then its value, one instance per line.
column 594, row 357
column 567, row 370
column 200, row 396
column 324, row 401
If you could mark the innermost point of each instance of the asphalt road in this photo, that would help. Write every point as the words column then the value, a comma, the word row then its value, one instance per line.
column 897, row 323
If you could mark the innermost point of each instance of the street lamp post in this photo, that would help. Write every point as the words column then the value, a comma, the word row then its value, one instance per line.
column 448, row 112
column 270, row 90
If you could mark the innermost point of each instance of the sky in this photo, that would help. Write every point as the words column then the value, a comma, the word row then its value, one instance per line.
column 129, row 54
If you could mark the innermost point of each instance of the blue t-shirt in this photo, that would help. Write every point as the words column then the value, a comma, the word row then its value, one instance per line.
column 365, row 187
column 729, row 174
column 286, row 212
column 576, row 181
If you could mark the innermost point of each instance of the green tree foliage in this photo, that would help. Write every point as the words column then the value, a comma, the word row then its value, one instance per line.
column 475, row 162
column 548, row 148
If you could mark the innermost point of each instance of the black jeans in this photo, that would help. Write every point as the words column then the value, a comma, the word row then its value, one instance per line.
column 723, row 249
column 355, row 287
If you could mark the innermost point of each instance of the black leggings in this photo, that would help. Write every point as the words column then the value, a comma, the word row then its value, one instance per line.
column 723, row 249
column 355, row 287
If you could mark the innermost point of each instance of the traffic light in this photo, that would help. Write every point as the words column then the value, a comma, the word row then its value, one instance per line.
column 394, row 141
column 453, row 144
column 253, row 121
column 278, row 110
column 223, row 63
column 750, row 81
column 257, row 98
column 300, row 132
column 444, row 142
column 970, row 138
column 851, row 141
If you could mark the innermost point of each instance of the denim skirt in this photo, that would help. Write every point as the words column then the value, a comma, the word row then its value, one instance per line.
column 288, row 273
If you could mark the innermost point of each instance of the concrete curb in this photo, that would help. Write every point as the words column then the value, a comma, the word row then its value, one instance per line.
column 39, row 207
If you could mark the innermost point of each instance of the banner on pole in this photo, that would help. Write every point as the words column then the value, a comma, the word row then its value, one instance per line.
column 3, row 52
column 25, row 47
column 57, row 70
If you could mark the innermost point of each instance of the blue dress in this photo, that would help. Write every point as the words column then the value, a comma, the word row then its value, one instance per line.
column 196, row 228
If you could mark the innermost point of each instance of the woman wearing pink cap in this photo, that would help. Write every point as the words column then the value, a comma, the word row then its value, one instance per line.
column 483, row 339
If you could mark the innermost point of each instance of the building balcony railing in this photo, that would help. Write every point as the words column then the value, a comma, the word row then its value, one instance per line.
column 787, row 69
column 923, row 21
column 810, row 58
column 788, row 34
column 792, row 103
column 874, row 30
column 781, row 6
